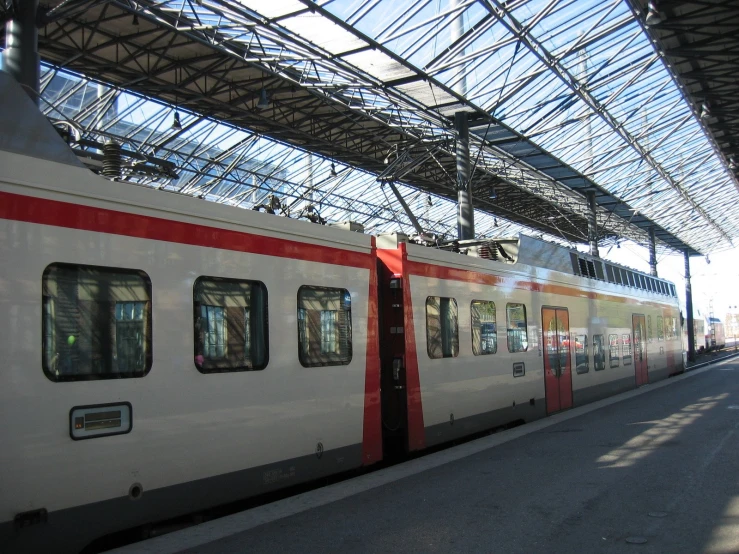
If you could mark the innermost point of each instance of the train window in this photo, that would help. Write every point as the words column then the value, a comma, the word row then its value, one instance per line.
column 642, row 282
column 599, row 353
column 672, row 288
column 484, row 330
column 442, row 329
column 626, row 341
column 582, row 361
column 670, row 328
column 609, row 274
column 230, row 323
column 96, row 323
column 324, row 326
column 632, row 281
column 613, row 354
column 660, row 329
column 649, row 328
column 518, row 338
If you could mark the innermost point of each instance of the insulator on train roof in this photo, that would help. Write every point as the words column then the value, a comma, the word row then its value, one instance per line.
column 112, row 160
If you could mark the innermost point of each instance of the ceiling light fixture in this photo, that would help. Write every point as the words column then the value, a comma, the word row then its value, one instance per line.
column 653, row 16
column 333, row 170
column 732, row 164
column 135, row 21
column 176, row 125
column 263, row 103
column 705, row 111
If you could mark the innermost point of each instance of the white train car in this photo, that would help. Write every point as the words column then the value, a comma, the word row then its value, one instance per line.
column 489, row 343
column 164, row 354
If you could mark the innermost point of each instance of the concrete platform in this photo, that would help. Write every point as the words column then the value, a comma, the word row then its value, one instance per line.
column 654, row 470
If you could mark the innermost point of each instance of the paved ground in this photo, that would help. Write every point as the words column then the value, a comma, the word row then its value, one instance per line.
column 656, row 472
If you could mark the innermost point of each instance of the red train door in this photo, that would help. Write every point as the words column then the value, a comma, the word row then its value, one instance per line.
column 640, row 352
column 557, row 359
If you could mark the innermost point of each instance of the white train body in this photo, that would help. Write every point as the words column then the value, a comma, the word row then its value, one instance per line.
column 90, row 453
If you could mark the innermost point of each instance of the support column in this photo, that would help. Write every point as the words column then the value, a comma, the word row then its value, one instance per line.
column 465, row 210
column 20, row 57
column 652, row 253
column 592, row 225
column 689, row 310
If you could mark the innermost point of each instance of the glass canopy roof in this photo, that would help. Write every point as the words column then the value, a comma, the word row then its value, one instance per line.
column 312, row 101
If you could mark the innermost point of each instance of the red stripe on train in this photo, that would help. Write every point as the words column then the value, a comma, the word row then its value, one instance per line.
column 88, row 218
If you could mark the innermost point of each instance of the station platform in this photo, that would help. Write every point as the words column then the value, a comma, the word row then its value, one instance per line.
column 654, row 470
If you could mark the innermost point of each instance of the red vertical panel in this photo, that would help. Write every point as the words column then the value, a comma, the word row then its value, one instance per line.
column 640, row 350
column 565, row 378
column 549, row 337
column 372, row 431
column 670, row 346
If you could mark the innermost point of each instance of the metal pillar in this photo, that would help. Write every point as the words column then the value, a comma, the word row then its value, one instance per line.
column 689, row 310
column 652, row 253
column 592, row 225
column 20, row 57
column 465, row 211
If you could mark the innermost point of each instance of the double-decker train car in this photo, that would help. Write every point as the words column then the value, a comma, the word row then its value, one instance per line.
column 164, row 355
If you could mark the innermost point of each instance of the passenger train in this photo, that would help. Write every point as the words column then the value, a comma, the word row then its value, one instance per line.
column 163, row 355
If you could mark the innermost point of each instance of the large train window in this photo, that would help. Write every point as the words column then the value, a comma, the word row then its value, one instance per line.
column 518, row 337
column 442, row 329
column 484, row 330
column 582, row 361
column 660, row 329
column 230, row 325
column 599, row 353
column 649, row 328
column 324, row 326
column 613, row 354
column 626, row 341
column 96, row 322
column 670, row 328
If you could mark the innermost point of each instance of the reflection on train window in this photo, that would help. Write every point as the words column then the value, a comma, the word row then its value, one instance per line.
column 582, row 361
column 599, row 353
column 660, row 329
column 442, row 330
column 518, row 338
column 324, row 326
column 230, row 325
column 613, row 353
column 626, row 340
column 484, row 330
column 670, row 328
column 96, row 324
column 649, row 328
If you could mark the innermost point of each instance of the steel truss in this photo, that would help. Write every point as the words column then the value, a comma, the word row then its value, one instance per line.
column 359, row 82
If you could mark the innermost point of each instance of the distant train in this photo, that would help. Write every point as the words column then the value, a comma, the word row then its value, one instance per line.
column 709, row 334
column 163, row 355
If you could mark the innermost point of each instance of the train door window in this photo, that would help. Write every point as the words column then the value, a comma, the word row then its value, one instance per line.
column 626, row 341
column 324, row 326
column 96, row 324
column 518, row 338
column 649, row 328
column 660, row 329
column 613, row 353
column 582, row 361
column 442, row 329
column 599, row 353
column 484, row 330
column 230, row 324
